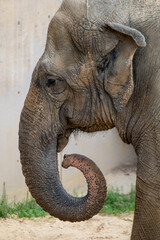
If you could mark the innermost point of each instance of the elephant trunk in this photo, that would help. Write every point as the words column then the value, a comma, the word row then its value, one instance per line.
column 97, row 189
column 40, row 168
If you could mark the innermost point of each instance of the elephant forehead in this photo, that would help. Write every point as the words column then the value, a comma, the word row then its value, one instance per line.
column 86, row 36
column 65, row 32
column 69, row 29
column 71, row 41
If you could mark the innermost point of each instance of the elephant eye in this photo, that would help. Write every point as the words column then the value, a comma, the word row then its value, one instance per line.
column 50, row 81
column 54, row 85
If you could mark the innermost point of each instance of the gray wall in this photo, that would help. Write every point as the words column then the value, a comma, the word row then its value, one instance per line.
column 23, row 29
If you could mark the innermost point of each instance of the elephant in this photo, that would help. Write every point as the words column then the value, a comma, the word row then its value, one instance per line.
column 99, row 70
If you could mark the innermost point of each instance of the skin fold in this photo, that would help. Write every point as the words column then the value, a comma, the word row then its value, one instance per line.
column 99, row 70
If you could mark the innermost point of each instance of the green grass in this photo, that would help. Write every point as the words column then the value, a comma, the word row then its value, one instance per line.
column 28, row 208
column 115, row 204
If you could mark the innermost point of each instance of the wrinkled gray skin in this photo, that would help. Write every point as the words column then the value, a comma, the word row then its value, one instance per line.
column 96, row 74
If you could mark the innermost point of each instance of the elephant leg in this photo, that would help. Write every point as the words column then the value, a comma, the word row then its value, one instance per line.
column 146, row 224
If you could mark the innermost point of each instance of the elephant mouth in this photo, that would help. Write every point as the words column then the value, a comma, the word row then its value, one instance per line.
column 62, row 139
column 94, row 128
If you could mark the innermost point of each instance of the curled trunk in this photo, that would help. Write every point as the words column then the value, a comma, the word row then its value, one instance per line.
column 97, row 190
column 40, row 168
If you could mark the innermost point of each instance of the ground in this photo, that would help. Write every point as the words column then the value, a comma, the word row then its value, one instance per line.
column 49, row 228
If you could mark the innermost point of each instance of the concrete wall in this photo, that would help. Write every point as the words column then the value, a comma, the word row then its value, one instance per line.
column 23, row 29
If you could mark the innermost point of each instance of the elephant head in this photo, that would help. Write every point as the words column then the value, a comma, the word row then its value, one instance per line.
column 83, row 79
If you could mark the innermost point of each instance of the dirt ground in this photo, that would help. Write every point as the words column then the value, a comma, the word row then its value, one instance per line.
column 49, row 228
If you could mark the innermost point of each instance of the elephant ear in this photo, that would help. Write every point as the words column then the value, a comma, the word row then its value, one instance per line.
column 118, row 81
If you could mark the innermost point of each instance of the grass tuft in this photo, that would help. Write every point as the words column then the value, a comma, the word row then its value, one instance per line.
column 4, row 203
column 25, row 209
column 117, row 203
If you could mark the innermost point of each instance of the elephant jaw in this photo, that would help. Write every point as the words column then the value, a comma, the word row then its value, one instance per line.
column 63, row 139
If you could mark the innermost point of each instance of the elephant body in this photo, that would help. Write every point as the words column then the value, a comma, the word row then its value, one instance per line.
column 100, row 69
